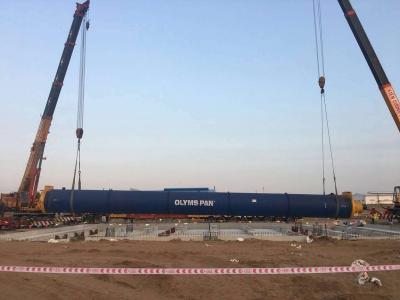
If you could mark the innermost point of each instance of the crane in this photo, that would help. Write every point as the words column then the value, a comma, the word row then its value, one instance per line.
column 374, row 64
column 25, row 197
column 381, row 79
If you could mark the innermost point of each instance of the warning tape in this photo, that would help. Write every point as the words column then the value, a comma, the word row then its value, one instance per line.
column 199, row 271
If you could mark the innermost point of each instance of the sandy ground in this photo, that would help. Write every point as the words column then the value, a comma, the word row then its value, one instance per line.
column 196, row 254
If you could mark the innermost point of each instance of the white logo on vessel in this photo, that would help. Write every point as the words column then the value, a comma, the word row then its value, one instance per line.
column 193, row 202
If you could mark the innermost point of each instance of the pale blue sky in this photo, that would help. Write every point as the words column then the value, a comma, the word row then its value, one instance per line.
column 200, row 93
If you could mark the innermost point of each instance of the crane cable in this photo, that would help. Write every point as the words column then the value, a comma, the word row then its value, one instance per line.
column 319, row 47
column 81, row 105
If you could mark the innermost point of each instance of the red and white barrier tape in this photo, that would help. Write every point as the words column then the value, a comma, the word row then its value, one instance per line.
column 198, row 271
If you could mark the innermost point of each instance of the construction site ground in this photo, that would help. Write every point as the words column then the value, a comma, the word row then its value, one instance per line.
column 249, row 253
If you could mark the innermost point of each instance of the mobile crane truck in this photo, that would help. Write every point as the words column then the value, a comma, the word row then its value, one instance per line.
column 381, row 79
column 25, row 200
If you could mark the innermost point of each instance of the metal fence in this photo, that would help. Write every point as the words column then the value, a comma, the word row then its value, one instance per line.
column 199, row 232
column 350, row 232
column 180, row 232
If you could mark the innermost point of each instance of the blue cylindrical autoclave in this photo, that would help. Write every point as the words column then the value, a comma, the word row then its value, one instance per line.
column 198, row 203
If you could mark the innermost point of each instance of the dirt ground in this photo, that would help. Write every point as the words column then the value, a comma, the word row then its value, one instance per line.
column 253, row 253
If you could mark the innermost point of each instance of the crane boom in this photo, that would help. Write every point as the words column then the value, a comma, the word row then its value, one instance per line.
column 27, row 191
column 384, row 85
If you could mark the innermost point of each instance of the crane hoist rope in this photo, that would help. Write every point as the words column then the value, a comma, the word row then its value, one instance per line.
column 319, row 49
column 81, row 106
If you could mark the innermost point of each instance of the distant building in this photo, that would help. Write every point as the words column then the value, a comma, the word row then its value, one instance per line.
column 359, row 197
column 378, row 198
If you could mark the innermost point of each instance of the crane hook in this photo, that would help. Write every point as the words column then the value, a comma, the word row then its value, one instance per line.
column 79, row 133
column 321, row 83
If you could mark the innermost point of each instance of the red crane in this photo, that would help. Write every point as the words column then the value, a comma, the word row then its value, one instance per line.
column 381, row 79
column 26, row 195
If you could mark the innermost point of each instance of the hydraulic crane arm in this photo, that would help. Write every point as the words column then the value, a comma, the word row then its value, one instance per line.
column 384, row 85
column 29, row 184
